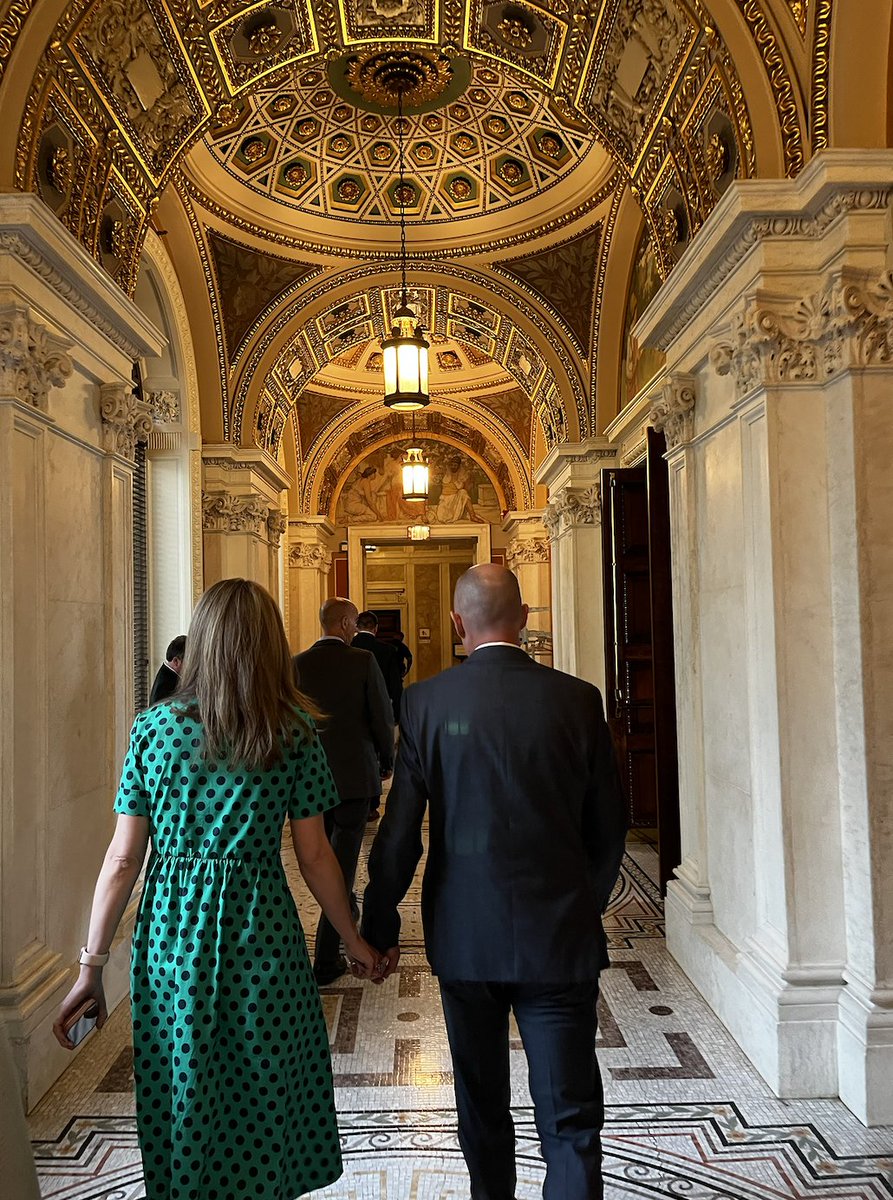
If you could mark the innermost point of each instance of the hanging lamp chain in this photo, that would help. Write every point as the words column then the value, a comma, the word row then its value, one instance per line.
column 402, row 194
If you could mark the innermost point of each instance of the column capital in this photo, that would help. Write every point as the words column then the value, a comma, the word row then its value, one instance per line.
column 307, row 556
column 673, row 412
column 32, row 359
column 125, row 419
column 225, row 513
column 571, row 507
column 846, row 325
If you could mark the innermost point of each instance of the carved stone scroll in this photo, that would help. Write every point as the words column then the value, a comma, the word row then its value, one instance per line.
column 674, row 411
column 847, row 325
column 125, row 420
column 571, row 507
column 165, row 406
column 223, row 513
column 32, row 360
column 306, row 555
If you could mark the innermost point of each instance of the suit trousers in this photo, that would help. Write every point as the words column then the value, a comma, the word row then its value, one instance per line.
column 345, row 825
column 558, row 1025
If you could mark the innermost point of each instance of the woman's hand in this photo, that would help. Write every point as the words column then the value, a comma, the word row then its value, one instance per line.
column 88, row 987
column 364, row 960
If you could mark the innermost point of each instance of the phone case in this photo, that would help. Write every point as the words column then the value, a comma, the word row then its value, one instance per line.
column 84, row 1024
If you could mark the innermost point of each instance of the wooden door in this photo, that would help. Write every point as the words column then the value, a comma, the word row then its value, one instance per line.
column 641, row 686
column 630, row 677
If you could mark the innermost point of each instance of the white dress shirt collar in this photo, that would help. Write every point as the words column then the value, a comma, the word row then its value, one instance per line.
column 483, row 646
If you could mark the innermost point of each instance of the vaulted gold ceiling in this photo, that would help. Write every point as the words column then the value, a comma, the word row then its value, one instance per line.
column 539, row 136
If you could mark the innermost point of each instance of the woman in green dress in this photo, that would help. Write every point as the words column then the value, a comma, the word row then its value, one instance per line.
column 231, row 1058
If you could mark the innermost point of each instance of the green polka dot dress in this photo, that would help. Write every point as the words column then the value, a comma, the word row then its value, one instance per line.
column 233, row 1076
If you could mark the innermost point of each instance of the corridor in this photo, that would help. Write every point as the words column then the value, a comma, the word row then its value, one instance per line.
column 687, row 1116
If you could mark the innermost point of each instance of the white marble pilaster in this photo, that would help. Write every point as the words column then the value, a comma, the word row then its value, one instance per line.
column 528, row 556
column 241, row 515
column 572, row 519
column 781, row 316
column 308, row 560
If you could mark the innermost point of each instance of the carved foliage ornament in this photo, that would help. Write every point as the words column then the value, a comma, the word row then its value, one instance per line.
column 674, row 411
column 571, row 507
column 223, row 513
column 277, row 523
column 32, row 360
column 125, row 420
column 307, row 555
column 165, row 406
column 848, row 325
column 523, row 553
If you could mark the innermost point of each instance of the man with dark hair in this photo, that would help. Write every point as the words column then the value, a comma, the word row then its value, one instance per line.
column 526, row 833
column 357, row 734
column 389, row 662
column 168, row 677
column 404, row 652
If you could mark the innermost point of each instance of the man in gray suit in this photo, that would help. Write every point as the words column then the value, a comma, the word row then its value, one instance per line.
column 357, row 733
column 515, row 764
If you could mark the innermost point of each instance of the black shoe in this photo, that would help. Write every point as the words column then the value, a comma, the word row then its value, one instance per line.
column 326, row 974
column 374, row 814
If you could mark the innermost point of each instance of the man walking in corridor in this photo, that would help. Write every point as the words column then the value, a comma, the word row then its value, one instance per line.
column 526, row 833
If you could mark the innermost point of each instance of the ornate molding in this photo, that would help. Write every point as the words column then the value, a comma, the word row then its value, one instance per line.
column 277, row 523
column 223, row 513
column 17, row 247
column 571, row 507
column 125, row 420
column 526, row 552
column 848, row 325
column 305, row 555
column 32, row 359
column 165, row 406
column 674, row 411
column 813, row 227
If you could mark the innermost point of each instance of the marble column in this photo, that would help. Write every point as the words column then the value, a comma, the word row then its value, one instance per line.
column 308, row 559
column 242, row 521
column 778, row 330
column 572, row 519
column 528, row 556
column 68, row 428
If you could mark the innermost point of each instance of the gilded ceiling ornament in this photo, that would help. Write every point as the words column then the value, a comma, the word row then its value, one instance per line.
column 349, row 190
column 511, row 171
column 295, row 175
column 340, row 144
column 60, row 169
column 516, row 32
column 550, row 145
column 717, row 156
column 669, row 226
column 283, row 104
column 460, row 189
column 381, row 76
column 119, row 238
column 253, row 150
column 264, row 37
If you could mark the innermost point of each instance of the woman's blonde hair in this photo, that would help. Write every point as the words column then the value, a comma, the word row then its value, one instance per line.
column 238, row 678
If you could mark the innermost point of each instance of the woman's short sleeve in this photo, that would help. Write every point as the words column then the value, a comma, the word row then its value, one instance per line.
column 132, row 799
column 315, row 790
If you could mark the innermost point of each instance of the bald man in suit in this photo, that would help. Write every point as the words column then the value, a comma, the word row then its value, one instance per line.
column 515, row 765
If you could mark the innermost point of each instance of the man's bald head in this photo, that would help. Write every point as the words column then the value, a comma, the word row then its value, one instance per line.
column 335, row 613
column 488, row 602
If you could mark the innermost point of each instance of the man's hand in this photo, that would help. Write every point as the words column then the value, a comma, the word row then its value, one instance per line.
column 391, row 958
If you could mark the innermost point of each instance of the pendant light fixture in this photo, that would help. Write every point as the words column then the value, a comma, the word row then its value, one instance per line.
column 405, row 352
column 415, row 471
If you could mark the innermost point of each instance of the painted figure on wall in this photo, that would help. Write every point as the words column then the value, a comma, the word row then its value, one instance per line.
column 639, row 365
column 459, row 489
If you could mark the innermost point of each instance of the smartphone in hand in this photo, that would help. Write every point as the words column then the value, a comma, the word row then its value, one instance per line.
column 81, row 1022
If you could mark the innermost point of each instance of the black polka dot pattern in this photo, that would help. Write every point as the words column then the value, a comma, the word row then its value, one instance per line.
column 233, row 1076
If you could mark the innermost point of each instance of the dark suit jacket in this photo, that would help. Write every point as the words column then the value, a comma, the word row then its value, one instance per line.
column 526, row 824
column 388, row 660
column 357, row 731
column 164, row 684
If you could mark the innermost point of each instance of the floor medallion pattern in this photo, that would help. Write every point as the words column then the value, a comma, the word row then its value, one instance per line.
column 686, row 1114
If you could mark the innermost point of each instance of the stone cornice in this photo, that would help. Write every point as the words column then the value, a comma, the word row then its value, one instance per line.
column 568, row 455
column 229, row 457
column 834, row 184
column 31, row 233
column 32, row 359
column 125, row 420
column 771, row 340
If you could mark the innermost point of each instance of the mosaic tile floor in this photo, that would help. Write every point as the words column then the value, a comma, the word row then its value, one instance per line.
column 686, row 1114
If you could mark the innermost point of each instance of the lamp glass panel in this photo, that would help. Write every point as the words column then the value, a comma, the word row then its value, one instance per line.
column 390, row 369
column 408, row 367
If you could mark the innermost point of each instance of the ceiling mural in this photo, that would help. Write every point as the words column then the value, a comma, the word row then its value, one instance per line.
column 459, row 489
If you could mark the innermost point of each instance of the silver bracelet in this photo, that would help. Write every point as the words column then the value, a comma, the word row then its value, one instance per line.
column 92, row 960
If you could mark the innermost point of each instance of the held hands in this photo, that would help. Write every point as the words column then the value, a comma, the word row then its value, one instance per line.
column 388, row 962
column 88, row 987
column 364, row 960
